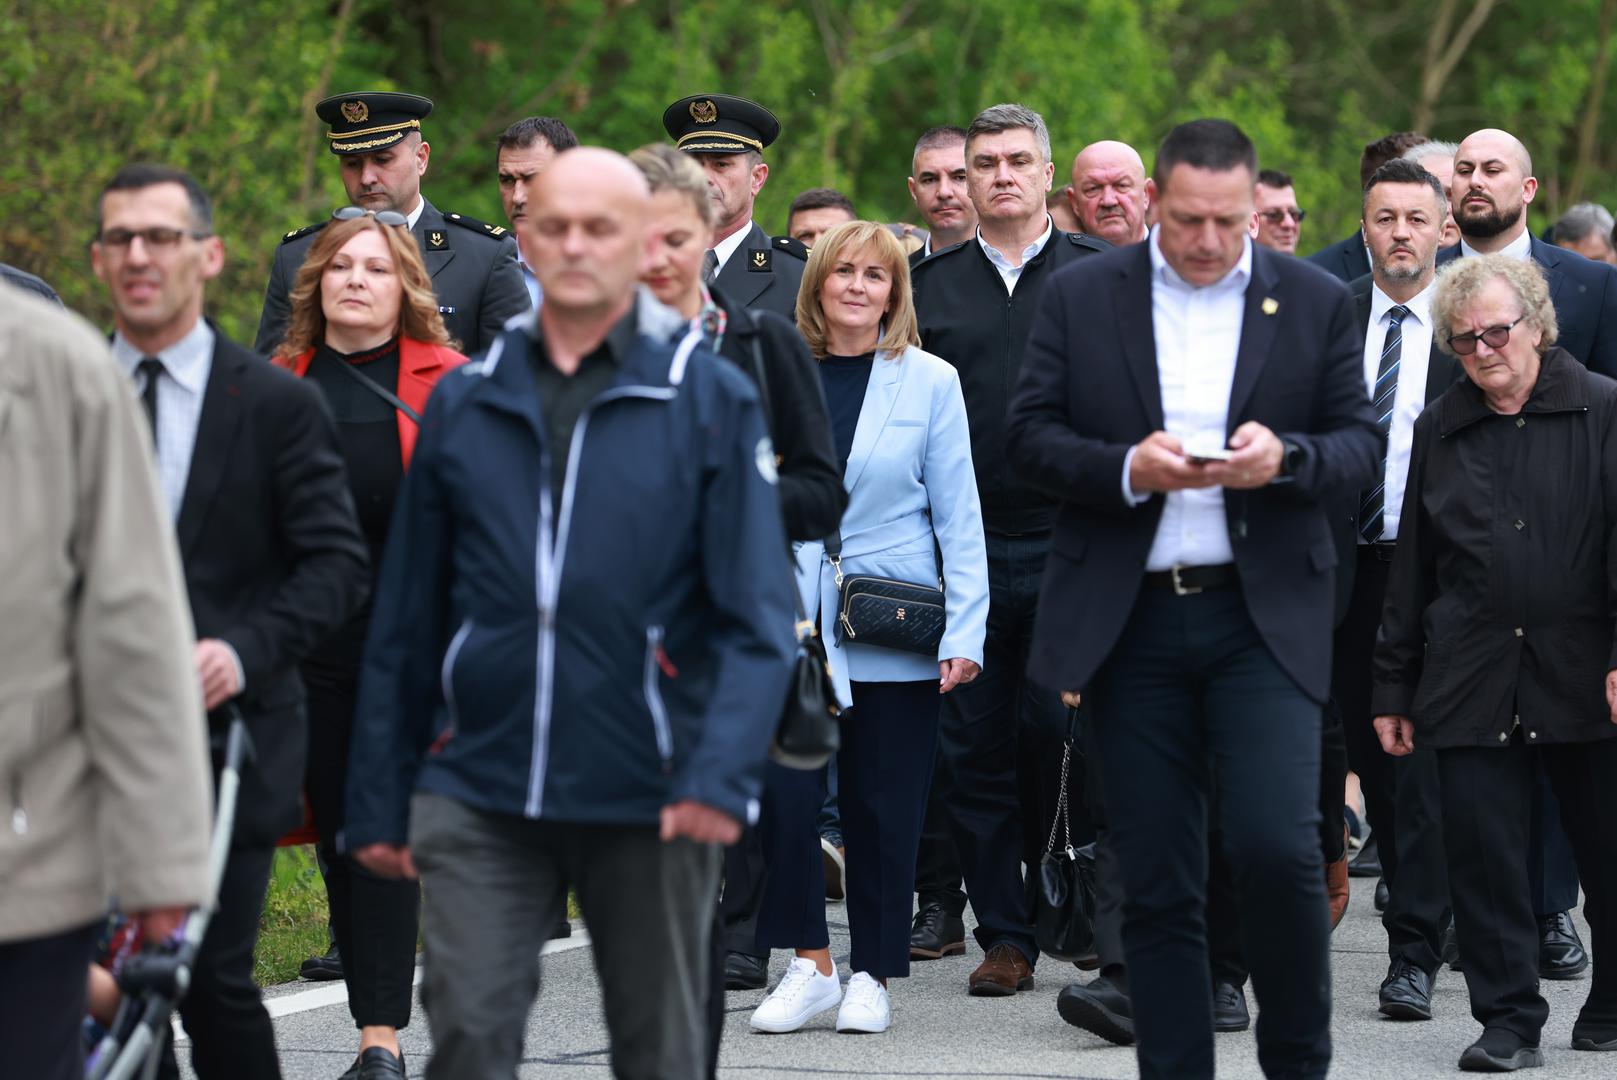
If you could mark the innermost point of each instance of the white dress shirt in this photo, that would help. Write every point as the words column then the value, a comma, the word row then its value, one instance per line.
column 727, row 247
column 1198, row 335
column 1012, row 274
column 529, row 279
column 1519, row 248
column 415, row 215
column 1410, row 397
column 186, row 365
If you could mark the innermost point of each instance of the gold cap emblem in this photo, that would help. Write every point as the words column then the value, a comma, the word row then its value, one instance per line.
column 355, row 112
column 704, row 112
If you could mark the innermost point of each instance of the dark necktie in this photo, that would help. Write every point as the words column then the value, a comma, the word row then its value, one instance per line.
column 150, row 367
column 1373, row 508
column 710, row 266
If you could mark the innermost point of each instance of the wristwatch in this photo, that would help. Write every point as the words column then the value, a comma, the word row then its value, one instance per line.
column 1291, row 457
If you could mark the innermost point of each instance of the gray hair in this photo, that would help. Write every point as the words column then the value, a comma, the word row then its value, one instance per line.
column 1582, row 220
column 1421, row 153
column 1010, row 117
column 1459, row 283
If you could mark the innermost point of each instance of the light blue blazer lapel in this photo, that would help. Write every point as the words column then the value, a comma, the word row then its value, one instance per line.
column 881, row 394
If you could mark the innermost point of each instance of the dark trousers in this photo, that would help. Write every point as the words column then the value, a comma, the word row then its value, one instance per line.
column 1418, row 892
column 1193, row 711
column 375, row 920
column 42, row 1004
column 743, row 874
column 231, row 1033
column 494, row 886
column 1487, row 807
column 1352, row 649
column 884, row 769
column 938, row 877
column 980, row 730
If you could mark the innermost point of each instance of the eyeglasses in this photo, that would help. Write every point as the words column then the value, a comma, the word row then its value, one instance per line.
column 1275, row 217
column 1496, row 337
column 385, row 217
column 158, row 236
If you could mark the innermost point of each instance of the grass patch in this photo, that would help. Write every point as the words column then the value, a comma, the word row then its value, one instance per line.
column 294, row 923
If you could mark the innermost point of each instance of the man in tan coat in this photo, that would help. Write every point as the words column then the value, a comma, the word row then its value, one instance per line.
column 104, row 788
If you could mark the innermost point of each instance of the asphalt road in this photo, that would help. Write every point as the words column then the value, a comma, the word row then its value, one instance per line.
column 938, row 1031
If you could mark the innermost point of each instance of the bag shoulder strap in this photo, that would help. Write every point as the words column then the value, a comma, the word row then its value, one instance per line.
column 375, row 387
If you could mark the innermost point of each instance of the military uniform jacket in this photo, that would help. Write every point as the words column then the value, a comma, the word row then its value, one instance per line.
column 474, row 272
column 765, row 274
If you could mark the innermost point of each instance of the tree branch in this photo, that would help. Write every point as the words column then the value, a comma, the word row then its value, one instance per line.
column 1589, row 127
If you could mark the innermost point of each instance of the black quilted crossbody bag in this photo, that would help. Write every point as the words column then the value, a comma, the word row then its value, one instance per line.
column 884, row 612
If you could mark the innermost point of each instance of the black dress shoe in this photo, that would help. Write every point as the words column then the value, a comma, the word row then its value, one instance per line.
column 1500, row 1051
column 1406, row 992
column 743, row 972
column 1367, row 863
column 327, row 968
column 1383, row 894
column 1102, row 1007
column 563, row 929
column 1594, row 1036
column 377, row 1063
column 936, row 934
column 1229, row 1008
column 1560, row 951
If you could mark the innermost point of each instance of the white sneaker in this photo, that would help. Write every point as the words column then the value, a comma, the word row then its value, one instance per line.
column 801, row 996
column 865, row 1008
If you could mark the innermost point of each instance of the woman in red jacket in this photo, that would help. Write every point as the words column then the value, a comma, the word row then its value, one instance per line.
column 365, row 327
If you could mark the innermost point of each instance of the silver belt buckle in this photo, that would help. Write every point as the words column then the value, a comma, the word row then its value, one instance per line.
column 1179, row 587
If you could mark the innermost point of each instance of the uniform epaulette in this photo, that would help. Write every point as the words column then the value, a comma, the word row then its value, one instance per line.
column 939, row 253
column 790, row 246
column 305, row 231
column 476, row 226
column 1084, row 240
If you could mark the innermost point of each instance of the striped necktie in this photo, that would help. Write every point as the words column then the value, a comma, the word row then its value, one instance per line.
column 1372, row 507
column 710, row 266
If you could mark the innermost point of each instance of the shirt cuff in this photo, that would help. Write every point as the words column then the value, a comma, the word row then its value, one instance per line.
column 241, row 672
column 1129, row 498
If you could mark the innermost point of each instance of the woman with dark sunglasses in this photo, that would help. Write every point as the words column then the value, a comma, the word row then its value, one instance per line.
column 365, row 328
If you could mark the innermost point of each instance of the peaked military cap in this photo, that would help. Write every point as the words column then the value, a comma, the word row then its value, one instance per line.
column 719, row 124
column 365, row 122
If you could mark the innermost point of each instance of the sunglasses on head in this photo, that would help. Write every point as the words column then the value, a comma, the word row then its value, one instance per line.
column 385, row 217
column 1497, row 337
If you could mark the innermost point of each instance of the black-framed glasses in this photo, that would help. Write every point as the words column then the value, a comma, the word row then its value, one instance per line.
column 158, row 236
column 385, row 217
column 1276, row 216
column 1496, row 337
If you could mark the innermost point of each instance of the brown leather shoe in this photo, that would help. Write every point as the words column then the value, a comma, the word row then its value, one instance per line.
column 1336, row 885
column 1002, row 973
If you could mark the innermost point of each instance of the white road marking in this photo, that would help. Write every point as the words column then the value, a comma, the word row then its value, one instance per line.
column 323, row 997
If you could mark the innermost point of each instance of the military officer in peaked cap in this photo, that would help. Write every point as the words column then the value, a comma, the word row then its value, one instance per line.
column 729, row 135
column 377, row 138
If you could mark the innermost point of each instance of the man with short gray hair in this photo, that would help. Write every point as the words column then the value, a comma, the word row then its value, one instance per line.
column 1586, row 229
column 975, row 303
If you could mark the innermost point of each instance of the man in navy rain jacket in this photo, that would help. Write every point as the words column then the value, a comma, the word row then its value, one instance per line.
column 582, row 638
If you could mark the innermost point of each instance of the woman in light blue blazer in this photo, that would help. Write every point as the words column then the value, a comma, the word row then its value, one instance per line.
column 900, row 425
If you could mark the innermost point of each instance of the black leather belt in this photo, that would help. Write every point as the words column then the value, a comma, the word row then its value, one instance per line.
column 1379, row 551
column 1190, row 580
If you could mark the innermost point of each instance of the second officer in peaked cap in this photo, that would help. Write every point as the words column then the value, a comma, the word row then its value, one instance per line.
column 382, row 153
column 729, row 135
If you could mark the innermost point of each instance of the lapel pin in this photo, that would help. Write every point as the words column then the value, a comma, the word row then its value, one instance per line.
column 1270, row 305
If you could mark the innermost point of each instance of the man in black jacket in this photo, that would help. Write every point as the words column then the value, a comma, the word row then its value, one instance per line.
column 975, row 303
column 273, row 556
column 1405, row 208
column 1347, row 258
column 377, row 138
column 1191, row 401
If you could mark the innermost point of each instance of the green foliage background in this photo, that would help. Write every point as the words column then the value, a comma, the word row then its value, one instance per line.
column 226, row 89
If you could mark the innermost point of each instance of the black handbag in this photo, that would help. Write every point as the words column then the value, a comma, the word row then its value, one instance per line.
column 881, row 611
column 1064, row 894
column 808, row 732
